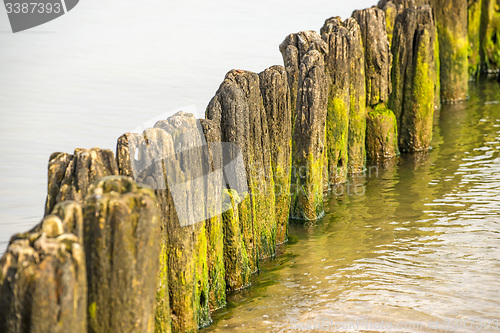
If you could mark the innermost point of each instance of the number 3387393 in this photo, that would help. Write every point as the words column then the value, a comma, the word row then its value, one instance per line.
column 33, row 8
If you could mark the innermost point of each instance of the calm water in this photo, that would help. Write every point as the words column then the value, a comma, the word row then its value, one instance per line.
column 108, row 66
column 417, row 242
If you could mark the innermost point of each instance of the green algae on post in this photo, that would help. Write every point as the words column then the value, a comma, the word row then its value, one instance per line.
column 381, row 133
column 181, row 164
column 357, row 93
column 337, row 66
column 309, row 139
column 391, row 11
column 490, row 31
column 238, row 108
column 474, row 36
column 237, row 263
column 214, row 225
column 451, row 22
column 276, row 98
column 414, row 77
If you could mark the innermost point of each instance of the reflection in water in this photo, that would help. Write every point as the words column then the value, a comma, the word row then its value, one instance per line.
column 416, row 243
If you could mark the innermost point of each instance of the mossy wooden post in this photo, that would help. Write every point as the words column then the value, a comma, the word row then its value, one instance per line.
column 214, row 225
column 293, row 49
column 378, row 57
column 309, row 139
column 69, row 176
column 238, row 108
column 451, row 21
column 490, row 31
column 357, row 93
column 170, row 160
column 43, row 282
column 415, row 133
column 381, row 134
column 276, row 98
column 337, row 66
column 136, row 142
column 391, row 11
column 190, row 198
column 122, row 242
column 414, row 77
column 236, row 259
column 474, row 10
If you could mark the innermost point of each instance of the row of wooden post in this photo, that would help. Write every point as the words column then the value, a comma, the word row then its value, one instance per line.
column 114, row 252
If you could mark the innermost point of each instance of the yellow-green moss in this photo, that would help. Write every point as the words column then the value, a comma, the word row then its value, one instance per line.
column 437, row 70
column 474, row 38
column 264, row 219
column 490, row 32
column 337, row 125
column 163, row 320
column 201, row 276
column 453, row 57
column 282, row 176
column 216, row 270
column 357, row 131
column 236, row 260
column 262, row 196
column 416, row 120
column 247, row 230
column 92, row 310
column 390, row 15
column 381, row 133
column 307, row 189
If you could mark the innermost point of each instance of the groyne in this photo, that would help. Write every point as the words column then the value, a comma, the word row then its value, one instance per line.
column 155, row 236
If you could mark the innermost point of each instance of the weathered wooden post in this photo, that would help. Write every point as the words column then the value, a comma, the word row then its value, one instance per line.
column 238, row 108
column 276, row 98
column 43, row 282
column 237, row 263
column 451, row 22
column 414, row 77
column 391, row 11
column 136, row 143
column 490, row 31
column 346, row 120
column 378, row 58
column 357, row 92
column 186, row 170
column 174, row 159
column 69, row 176
column 293, row 49
column 215, row 225
column 381, row 134
column 474, row 10
column 337, row 66
column 309, row 88
column 309, row 139
column 122, row 243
